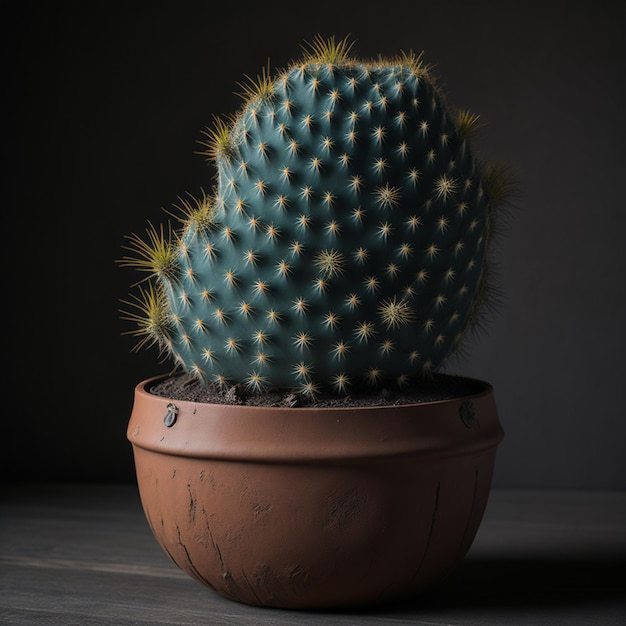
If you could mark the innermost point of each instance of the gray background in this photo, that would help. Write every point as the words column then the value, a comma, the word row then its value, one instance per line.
column 104, row 106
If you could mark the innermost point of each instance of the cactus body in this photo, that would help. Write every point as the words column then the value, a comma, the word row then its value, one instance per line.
column 345, row 242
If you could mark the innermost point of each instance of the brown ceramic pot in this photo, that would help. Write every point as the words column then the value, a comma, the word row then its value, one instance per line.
column 315, row 508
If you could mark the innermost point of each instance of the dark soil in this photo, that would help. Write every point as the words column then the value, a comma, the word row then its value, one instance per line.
column 437, row 387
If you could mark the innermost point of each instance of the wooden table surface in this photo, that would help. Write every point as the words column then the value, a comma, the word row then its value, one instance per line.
column 83, row 554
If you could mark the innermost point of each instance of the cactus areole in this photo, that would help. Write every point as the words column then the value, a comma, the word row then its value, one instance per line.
column 346, row 242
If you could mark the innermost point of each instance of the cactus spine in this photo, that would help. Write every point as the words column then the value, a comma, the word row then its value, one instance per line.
column 346, row 242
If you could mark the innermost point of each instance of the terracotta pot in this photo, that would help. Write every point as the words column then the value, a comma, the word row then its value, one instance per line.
column 315, row 508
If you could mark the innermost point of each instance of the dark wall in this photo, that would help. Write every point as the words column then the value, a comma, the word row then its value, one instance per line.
column 104, row 106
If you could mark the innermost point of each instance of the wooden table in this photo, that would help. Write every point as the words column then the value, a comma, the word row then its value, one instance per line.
column 83, row 554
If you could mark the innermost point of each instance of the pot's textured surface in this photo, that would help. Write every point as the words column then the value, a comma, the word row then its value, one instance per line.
column 315, row 508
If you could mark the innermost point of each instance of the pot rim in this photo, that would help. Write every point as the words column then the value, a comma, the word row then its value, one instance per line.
column 245, row 433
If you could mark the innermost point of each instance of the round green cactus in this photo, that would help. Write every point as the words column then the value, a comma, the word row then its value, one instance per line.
column 346, row 242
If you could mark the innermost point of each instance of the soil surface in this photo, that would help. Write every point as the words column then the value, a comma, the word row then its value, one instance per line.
column 437, row 387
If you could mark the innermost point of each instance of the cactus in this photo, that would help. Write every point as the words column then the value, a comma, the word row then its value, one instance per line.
column 346, row 242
